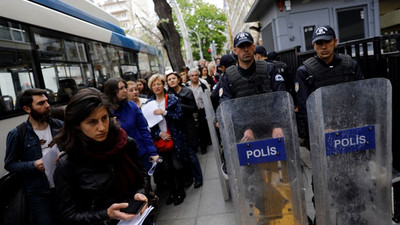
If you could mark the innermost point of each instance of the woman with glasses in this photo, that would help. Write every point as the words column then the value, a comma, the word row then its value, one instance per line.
column 131, row 119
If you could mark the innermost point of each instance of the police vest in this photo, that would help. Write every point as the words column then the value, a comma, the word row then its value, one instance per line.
column 324, row 76
column 257, row 83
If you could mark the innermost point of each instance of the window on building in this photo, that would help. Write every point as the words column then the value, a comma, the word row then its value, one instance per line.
column 308, row 31
column 268, row 37
column 352, row 24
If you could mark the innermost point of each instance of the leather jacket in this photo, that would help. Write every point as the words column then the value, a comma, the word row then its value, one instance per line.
column 85, row 188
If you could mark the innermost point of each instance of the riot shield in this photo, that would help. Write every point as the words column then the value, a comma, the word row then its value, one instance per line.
column 350, row 136
column 264, row 174
column 210, row 114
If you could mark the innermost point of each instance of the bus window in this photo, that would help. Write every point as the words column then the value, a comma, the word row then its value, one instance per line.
column 14, row 81
column 49, row 48
column 154, row 64
column 144, row 65
column 113, row 60
column 129, row 65
column 77, row 74
column 101, row 66
column 14, row 32
column 15, row 76
column 75, row 51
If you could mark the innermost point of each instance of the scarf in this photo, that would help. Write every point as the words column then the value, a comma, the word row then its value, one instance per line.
column 112, row 152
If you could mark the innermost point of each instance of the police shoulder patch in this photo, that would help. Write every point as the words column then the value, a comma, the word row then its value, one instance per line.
column 279, row 77
column 296, row 87
column 221, row 91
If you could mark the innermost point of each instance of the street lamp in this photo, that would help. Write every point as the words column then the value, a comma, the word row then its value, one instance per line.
column 198, row 38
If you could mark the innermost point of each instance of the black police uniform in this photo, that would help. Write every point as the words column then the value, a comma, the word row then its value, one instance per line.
column 285, row 71
column 315, row 73
column 252, row 83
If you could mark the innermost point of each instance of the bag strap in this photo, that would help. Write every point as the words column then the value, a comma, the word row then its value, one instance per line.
column 165, row 99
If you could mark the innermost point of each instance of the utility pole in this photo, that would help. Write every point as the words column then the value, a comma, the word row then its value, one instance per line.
column 185, row 36
column 198, row 38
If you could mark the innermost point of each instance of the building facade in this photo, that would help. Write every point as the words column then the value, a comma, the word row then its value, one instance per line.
column 286, row 24
column 236, row 11
column 122, row 10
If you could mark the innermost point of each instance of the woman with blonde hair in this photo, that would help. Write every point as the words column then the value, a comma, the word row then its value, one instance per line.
column 170, row 128
column 133, row 94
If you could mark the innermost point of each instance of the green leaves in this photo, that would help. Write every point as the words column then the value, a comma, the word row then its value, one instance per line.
column 208, row 21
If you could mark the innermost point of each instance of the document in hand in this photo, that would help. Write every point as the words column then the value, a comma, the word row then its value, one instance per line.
column 49, row 162
column 138, row 220
column 148, row 110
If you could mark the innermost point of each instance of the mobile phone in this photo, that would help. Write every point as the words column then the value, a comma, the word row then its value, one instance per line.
column 134, row 207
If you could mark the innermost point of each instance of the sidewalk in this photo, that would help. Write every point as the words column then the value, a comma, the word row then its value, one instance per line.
column 202, row 206
column 206, row 205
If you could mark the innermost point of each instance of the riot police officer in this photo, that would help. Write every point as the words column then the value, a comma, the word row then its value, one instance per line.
column 249, row 77
column 325, row 68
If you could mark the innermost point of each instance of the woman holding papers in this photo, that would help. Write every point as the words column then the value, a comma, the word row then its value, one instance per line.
column 100, row 170
column 188, row 105
column 131, row 119
column 170, row 128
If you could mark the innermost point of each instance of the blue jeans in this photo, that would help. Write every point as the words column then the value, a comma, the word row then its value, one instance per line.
column 42, row 207
column 195, row 164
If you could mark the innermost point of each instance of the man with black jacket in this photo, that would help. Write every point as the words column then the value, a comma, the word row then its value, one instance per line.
column 31, row 157
column 250, row 77
column 325, row 68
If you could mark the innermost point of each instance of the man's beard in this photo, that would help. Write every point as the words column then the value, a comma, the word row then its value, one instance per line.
column 41, row 117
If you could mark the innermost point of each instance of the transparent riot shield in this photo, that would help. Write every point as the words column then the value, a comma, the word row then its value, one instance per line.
column 211, row 119
column 264, row 174
column 350, row 137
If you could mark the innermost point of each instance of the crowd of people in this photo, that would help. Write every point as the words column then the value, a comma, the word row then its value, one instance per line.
column 107, row 146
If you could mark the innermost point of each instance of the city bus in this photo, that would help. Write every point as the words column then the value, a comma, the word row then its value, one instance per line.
column 62, row 46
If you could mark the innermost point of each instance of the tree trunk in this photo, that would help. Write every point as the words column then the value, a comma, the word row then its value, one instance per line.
column 171, row 36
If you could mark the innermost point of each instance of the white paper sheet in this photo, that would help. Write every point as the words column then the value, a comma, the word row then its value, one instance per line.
column 148, row 110
column 138, row 220
column 49, row 163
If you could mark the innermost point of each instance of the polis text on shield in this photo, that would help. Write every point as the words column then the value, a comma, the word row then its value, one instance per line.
column 256, row 153
column 261, row 151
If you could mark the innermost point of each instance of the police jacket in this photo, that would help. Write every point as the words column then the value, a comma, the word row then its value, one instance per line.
column 260, row 77
column 285, row 71
column 22, row 161
column 86, row 187
column 315, row 73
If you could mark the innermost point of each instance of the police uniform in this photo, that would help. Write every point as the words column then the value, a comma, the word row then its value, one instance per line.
column 315, row 73
column 260, row 77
